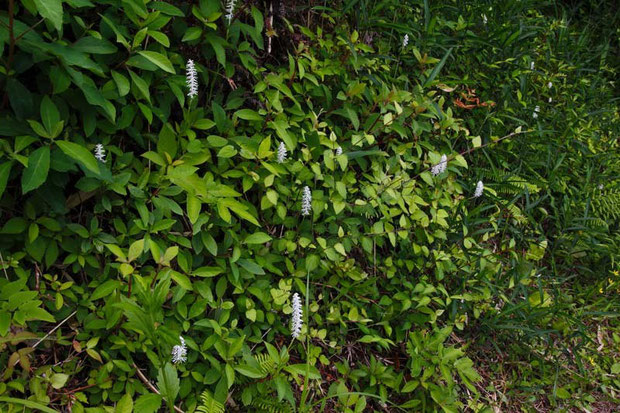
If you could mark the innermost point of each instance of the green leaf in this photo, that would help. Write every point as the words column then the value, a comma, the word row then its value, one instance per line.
column 166, row 8
column 124, row 405
column 58, row 380
column 258, row 238
column 51, row 10
column 148, row 403
column 28, row 403
column 135, row 250
column 105, row 289
column 49, row 114
column 218, row 48
column 5, row 171
column 181, row 279
column 141, row 85
column 207, row 271
column 437, row 68
column 168, row 382
column 300, row 369
column 158, row 59
column 122, row 83
column 167, row 141
column 248, row 114
column 192, row 33
column 38, row 167
column 250, row 371
column 80, row 154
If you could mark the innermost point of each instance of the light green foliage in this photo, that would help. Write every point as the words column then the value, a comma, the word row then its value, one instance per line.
column 191, row 227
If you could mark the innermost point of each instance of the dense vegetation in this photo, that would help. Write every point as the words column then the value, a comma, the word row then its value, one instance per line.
column 180, row 179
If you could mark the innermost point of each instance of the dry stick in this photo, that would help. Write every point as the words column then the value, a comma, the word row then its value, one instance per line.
column 25, row 32
column 47, row 335
column 150, row 385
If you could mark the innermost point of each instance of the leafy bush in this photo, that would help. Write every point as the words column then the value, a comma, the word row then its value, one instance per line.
column 140, row 220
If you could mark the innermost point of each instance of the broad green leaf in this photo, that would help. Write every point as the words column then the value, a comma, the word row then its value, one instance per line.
column 51, row 10
column 207, row 271
column 49, row 114
column 135, row 250
column 38, row 167
column 105, row 289
column 158, row 59
column 122, row 83
column 148, row 403
column 168, row 382
column 218, row 47
column 124, row 405
column 5, row 171
column 58, row 380
column 80, row 154
column 248, row 114
column 258, row 238
column 250, row 371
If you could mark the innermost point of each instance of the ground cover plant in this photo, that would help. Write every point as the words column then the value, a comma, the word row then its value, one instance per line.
column 278, row 206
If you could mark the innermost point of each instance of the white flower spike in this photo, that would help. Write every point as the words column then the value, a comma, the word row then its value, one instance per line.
column 536, row 110
column 306, row 201
column 230, row 8
column 532, row 66
column 479, row 189
column 550, row 100
column 296, row 316
column 405, row 41
column 100, row 152
column 549, row 85
column 179, row 352
column 484, row 19
column 192, row 79
column 441, row 166
column 282, row 152
column 338, row 151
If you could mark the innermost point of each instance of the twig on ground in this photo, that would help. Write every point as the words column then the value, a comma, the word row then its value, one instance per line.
column 150, row 385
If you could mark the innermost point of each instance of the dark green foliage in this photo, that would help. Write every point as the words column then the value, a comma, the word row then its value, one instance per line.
column 191, row 230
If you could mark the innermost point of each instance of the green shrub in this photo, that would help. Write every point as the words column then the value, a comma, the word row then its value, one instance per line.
column 145, row 219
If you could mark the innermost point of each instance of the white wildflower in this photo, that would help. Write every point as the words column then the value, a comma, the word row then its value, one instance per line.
column 192, row 79
column 549, row 85
column 281, row 152
column 338, row 151
column 536, row 110
column 230, row 8
column 179, row 352
column 479, row 189
column 601, row 186
column 484, row 19
column 441, row 166
column 550, row 100
column 100, row 152
column 405, row 41
column 532, row 66
column 306, row 201
column 296, row 316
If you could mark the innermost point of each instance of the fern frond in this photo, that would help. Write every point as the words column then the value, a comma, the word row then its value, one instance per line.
column 266, row 363
column 209, row 404
column 270, row 405
column 607, row 205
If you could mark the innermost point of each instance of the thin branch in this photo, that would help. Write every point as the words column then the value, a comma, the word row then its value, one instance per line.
column 150, row 385
column 29, row 29
column 48, row 334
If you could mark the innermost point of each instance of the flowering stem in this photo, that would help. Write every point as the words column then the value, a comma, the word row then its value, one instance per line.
column 304, row 394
